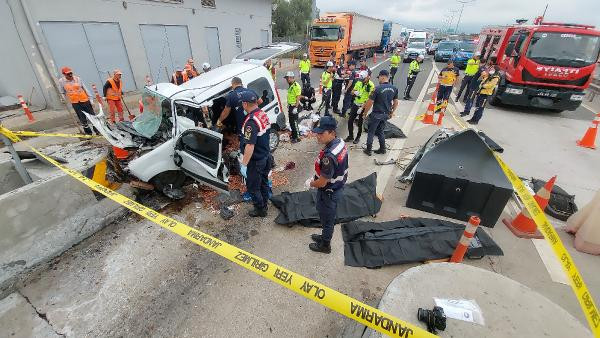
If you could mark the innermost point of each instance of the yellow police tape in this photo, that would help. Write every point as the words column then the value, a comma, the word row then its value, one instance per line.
column 577, row 284
column 36, row 134
column 304, row 286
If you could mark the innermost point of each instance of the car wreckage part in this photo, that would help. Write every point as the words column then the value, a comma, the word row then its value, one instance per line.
column 460, row 178
column 409, row 240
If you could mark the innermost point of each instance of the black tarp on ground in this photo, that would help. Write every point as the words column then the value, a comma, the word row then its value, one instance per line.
column 409, row 240
column 299, row 207
column 459, row 178
column 390, row 131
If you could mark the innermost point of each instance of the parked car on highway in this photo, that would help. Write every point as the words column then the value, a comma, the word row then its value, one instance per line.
column 164, row 143
column 413, row 50
column 445, row 50
column 464, row 53
column 433, row 48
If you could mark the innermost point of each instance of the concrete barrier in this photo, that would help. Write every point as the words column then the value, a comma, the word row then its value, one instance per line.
column 41, row 220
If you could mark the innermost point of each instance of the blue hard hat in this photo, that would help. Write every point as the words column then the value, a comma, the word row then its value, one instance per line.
column 325, row 123
column 249, row 95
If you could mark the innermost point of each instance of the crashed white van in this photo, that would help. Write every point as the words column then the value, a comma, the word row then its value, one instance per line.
column 165, row 141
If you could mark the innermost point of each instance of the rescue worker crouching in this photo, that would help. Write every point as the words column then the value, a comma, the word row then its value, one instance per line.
column 413, row 70
column 362, row 90
column 327, row 83
column 78, row 95
column 294, row 95
column 331, row 173
column 256, row 160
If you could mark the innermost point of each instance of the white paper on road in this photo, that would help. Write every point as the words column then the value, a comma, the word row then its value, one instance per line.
column 462, row 309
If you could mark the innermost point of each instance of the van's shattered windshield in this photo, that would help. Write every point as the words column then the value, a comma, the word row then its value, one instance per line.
column 148, row 122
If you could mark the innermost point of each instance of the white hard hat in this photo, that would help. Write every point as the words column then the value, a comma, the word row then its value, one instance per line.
column 478, row 54
column 420, row 56
column 363, row 74
column 305, row 55
column 289, row 74
column 206, row 65
column 329, row 64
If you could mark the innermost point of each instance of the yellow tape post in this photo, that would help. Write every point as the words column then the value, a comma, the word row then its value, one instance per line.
column 576, row 280
column 303, row 286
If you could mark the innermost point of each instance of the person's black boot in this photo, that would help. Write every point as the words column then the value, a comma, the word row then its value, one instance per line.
column 320, row 246
column 356, row 140
column 349, row 138
column 367, row 151
column 380, row 151
column 258, row 212
column 316, row 238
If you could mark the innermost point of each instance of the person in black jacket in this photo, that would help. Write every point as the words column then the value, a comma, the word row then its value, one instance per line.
column 308, row 97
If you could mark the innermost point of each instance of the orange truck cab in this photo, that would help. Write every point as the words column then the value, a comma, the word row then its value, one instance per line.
column 346, row 34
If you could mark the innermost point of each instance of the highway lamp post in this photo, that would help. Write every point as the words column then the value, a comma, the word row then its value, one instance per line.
column 462, row 7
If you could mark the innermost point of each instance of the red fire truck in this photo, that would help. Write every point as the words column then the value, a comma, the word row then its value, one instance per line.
column 544, row 65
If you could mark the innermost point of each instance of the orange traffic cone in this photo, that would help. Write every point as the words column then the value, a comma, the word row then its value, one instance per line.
column 442, row 111
column 321, row 87
column 465, row 240
column 589, row 139
column 428, row 119
column 523, row 225
column 25, row 108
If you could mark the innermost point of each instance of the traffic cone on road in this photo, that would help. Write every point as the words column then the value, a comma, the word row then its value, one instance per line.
column 465, row 240
column 523, row 225
column 589, row 139
column 441, row 114
column 321, row 87
column 25, row 108
column 428, row 119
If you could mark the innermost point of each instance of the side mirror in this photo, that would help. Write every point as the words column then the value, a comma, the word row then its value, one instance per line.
column 341, row 34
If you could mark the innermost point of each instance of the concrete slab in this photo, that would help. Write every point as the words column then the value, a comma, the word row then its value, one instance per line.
column 20, row 320
column 509, row 308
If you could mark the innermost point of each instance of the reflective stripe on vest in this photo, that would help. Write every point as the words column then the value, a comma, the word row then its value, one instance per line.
column 114, row 92
column 262, row 121
column 340, row 174
column 394, row 61
column 74, row 90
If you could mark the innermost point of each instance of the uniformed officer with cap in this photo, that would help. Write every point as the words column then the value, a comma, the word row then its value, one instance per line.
column 331, row 173
column 255, row 164
column 384, row 101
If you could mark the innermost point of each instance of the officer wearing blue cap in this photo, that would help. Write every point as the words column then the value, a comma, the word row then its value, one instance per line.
column 384, row 101
column 331, row 173
column 256, row 160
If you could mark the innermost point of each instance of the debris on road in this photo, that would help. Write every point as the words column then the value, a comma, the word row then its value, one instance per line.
column 409, row 240
column 562, row 204
column 390, row 130
column 359, row 200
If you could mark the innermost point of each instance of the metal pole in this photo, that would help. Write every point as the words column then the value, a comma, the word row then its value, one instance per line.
column 459, row 17
column 18, row 165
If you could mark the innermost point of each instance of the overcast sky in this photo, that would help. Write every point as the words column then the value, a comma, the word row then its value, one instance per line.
column 431, row 13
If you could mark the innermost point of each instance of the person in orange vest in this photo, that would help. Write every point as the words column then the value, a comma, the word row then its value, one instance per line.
column 189, row 72
column 179, row 77
column 78, row 95
column 190, row 63
column 113, row 92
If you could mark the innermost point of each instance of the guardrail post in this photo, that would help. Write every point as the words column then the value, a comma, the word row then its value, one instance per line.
column 18, row 164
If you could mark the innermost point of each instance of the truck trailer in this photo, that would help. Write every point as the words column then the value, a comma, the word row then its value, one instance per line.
column 544, row 65
column 346, row 34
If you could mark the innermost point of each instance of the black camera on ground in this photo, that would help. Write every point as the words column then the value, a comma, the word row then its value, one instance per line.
column 434, row 319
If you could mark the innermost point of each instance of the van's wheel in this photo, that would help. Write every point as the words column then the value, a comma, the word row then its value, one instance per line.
column 170, row 183
column 273, row 140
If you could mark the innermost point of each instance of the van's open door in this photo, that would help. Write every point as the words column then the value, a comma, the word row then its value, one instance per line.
column 260, row 55
column 198, row 152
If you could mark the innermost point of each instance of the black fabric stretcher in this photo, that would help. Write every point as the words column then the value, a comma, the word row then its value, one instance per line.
column 409, row 240
column 300, row 207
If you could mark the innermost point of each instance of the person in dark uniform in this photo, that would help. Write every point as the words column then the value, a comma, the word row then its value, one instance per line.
column 413, row 70
column 234, row 103
column 384, row 101
column 256, row 161
column 350, row 78
column 331, row 173
column 336, row 91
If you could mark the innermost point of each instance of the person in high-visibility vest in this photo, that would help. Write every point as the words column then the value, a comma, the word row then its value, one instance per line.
column 113, row 92
column 362, row 90
column 489, row 82
column 304, row 66
column 447, row 79
column 294, row 95
column 190, row 63
column 413, row 71
column 394, row 63
column 189, row 72
column 327, row 82
column 179, row 77
column 470, row 71
column 78, row 95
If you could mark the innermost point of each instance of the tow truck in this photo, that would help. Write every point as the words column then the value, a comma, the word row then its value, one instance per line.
column 544, row 65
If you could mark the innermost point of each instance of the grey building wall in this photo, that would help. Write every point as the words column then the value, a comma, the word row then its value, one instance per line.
column 27, row 62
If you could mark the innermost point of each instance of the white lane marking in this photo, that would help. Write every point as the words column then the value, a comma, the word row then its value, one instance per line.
column 385, row 172
column 550, row 262
column 379, row 64
column 588, row 108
